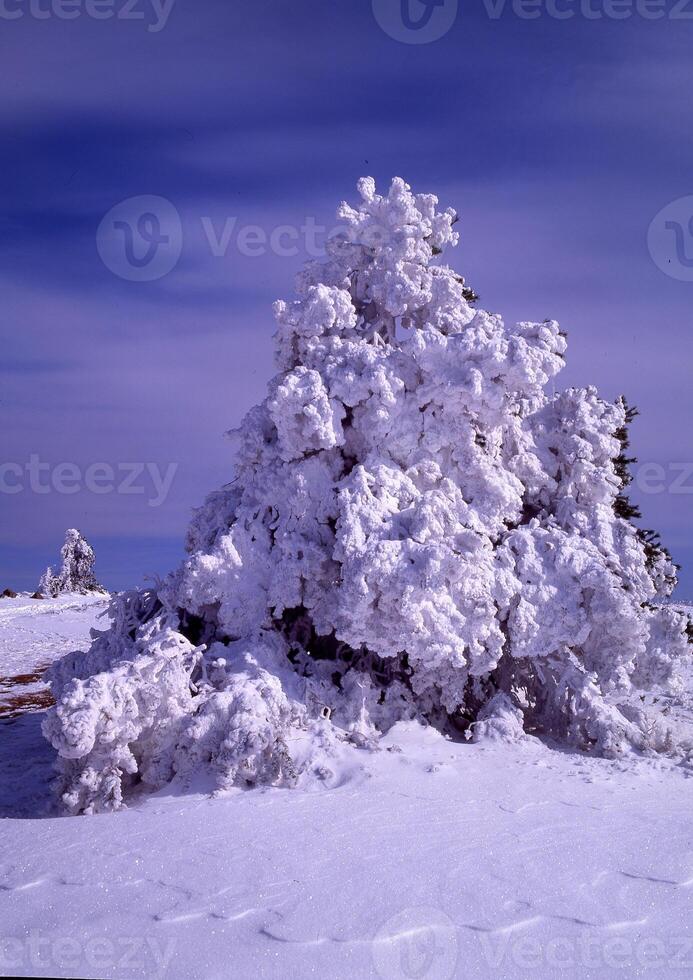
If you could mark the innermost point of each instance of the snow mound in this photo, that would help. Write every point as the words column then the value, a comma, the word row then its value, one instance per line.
column 499, row 721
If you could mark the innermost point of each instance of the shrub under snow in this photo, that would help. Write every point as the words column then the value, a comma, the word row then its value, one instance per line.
column 415, row 529
column 77, row 570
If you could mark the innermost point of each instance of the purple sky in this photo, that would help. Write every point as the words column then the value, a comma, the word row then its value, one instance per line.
column 557, row 140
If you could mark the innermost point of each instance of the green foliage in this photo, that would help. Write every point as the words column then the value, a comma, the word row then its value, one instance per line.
column 623, row 506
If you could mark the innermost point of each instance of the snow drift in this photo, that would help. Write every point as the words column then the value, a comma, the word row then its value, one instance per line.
column 415, row 530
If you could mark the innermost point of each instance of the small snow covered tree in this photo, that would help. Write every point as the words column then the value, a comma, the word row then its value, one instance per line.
column 47, row 583
column 77, row 570
column 415, row 529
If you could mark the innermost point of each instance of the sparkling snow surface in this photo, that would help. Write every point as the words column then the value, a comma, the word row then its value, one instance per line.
column 440, row 860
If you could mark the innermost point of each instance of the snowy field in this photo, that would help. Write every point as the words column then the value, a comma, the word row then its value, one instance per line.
column 440, row 860
column 33, row 633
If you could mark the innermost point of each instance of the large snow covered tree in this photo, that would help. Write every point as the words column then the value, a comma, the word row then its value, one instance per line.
column 415, row 529
column 77, row 569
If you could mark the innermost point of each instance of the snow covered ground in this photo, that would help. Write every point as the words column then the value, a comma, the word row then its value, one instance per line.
column 33, row 633
column 440, row 860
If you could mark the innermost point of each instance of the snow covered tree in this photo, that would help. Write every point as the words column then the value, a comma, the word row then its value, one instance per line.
column 48, row 584
column 77, row 570
column 415, row 530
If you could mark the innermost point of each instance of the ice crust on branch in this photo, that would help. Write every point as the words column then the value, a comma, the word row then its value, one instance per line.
column 416, row 528
column 77, row 570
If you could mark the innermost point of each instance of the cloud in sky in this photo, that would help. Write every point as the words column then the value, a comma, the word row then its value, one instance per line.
column 556, row 141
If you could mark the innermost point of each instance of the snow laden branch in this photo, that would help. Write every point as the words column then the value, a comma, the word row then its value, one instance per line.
column 415, row 530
